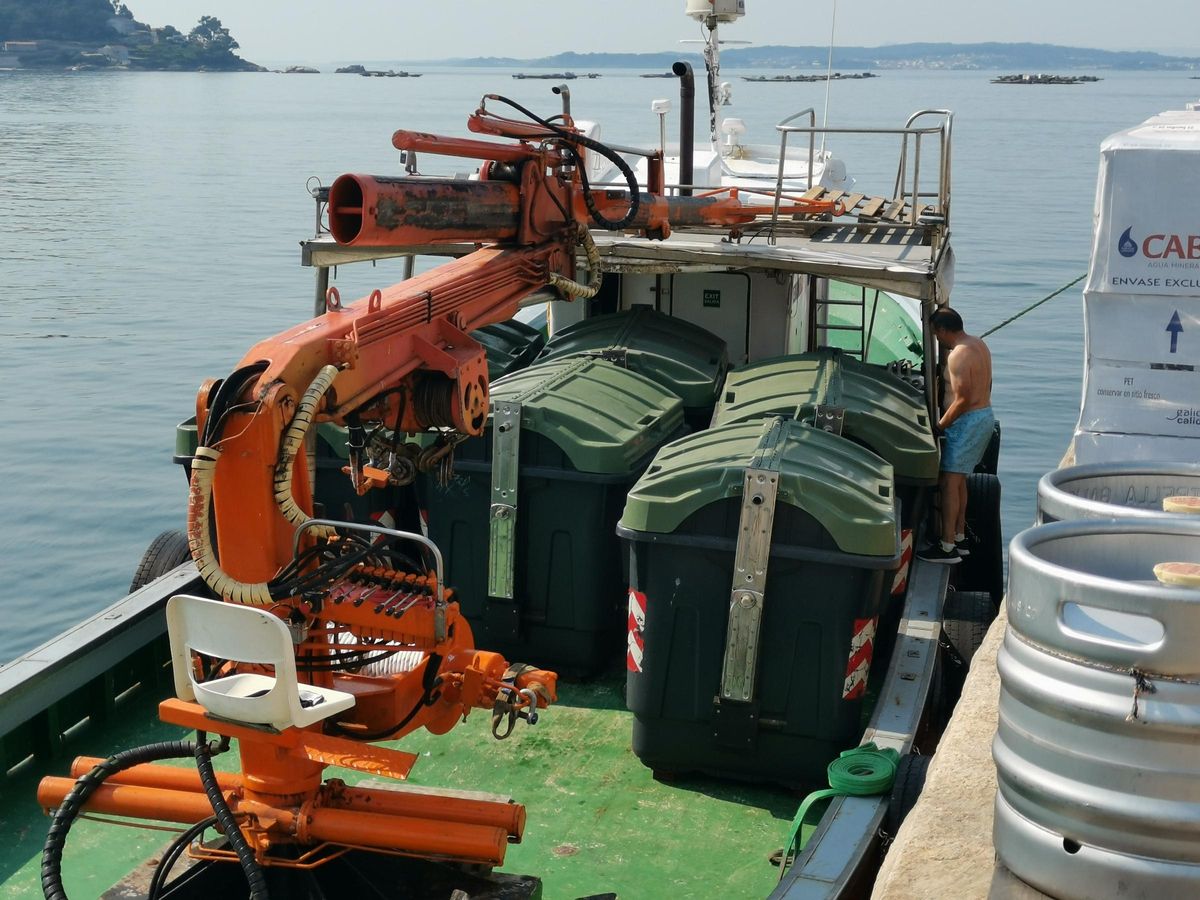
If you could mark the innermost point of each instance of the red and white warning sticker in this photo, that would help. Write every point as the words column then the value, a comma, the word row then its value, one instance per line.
column 637, row 626
column 862, row 648
column 900, row 582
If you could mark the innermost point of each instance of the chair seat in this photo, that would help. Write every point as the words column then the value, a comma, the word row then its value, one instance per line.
column 244, row 634
column 237, row 698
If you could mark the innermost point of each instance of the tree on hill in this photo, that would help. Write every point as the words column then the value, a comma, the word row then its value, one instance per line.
column 212, row 36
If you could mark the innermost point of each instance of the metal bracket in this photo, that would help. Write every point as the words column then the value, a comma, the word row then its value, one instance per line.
column 749, row 584
column 830, row 418
column 616, row 355
column 502, row 538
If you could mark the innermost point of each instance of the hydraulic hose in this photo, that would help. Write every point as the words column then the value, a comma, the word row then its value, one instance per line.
column 293, row 440
column 573, row 289
column 225, row 818
column 85, row 786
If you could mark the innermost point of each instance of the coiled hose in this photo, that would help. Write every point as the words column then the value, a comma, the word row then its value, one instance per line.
column 204, row 467
column 85, row 786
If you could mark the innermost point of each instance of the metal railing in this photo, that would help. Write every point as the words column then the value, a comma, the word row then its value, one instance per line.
column 904, row 191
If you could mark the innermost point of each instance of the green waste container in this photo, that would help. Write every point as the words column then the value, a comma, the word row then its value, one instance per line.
column 528, row 533
column 749, row 658
column 865, row 403
column 510, row 346
column 684, row 358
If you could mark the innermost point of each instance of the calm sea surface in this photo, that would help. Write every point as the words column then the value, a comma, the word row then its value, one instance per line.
column 148, row 236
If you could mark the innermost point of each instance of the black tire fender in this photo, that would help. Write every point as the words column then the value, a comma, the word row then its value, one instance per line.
column 983, row 569
column 910, row 780
column 166, row 552
column 965, row 621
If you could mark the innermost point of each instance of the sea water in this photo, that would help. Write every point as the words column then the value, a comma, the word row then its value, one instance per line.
column 149, row 228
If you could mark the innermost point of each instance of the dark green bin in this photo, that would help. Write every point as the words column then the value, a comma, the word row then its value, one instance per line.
column 684, row 358
column 834, row 542
column 510, row 346
column 588, row 429
column 881, row 411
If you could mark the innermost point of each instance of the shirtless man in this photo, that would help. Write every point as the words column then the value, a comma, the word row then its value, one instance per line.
column 967, row 424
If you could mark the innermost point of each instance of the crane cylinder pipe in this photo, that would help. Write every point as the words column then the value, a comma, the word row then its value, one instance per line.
column 366, row 210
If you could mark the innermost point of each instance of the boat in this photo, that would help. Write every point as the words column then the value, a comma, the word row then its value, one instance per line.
column 1066, row 801
column 835, row 76
column 558, row 76
column 772, row 264
column 1039, row 78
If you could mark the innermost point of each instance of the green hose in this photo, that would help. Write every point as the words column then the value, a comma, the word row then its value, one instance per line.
column 862, row 772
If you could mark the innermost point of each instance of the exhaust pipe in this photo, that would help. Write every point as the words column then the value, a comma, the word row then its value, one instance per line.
column 687, row 124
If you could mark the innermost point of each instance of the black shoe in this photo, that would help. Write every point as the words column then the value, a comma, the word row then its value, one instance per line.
column 935, row 554
column 963, row 547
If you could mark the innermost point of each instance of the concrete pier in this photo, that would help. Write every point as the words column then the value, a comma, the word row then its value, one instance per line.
column 944, row 848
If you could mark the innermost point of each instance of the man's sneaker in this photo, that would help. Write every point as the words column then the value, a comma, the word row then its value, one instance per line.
column 963, row 547
column 935, row 554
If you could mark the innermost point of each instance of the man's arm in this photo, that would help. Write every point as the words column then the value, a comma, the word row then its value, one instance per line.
column 958, row 372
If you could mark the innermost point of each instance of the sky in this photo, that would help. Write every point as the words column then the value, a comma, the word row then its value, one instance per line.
column 347, row 30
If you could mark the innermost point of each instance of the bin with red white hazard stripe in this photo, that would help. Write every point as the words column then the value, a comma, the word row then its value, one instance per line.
column 834, row 552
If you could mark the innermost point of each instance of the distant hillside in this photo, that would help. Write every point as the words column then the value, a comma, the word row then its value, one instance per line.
column 1018, row 57
column 103, row 34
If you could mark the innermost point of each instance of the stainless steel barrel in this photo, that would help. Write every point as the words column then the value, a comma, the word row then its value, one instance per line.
column 1098, row 745
column 1114, row 490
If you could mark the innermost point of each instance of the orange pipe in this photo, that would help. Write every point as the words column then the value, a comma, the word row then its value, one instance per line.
column 395, row 212
column 414, row 836
column 135, row 801
column 403, row 834
column 437, row 807
column 493, row 813
column 168, row 778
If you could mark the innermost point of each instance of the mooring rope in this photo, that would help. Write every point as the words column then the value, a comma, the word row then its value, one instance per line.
column 1027, row 309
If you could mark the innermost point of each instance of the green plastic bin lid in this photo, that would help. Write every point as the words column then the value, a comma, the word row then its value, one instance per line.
column 845, row 487
column 883, row 411
column 604, row 418
column 186, row 437
column 510, row 346
column 684, row 358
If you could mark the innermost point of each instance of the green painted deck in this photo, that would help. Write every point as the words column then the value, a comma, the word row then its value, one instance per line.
column 598, row 822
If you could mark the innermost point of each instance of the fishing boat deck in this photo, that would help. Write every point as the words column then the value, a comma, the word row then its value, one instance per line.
column 598, row 821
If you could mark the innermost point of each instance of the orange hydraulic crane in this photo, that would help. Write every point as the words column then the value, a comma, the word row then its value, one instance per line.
column 369, row 619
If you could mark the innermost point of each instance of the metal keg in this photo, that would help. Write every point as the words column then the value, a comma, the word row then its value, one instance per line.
column 1098, row 745
column 1114, row 490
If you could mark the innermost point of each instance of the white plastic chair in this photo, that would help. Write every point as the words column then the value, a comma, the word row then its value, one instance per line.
column 244, row 634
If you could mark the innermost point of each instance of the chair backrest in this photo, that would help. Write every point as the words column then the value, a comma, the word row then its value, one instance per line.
column 238, row 633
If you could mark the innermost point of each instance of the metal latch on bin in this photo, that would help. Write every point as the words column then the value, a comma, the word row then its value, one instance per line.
column 749, row 583
column 829, row 418
column 618, row 356
column 502, row 532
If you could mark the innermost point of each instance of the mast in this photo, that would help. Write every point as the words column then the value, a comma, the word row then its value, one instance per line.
column 711, row 13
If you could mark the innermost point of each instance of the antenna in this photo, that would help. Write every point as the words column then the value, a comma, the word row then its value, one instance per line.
column 828, row 78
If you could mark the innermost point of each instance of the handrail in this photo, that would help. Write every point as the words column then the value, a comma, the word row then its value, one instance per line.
column 784, row 129
column 942, row 131
column 945, row 130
